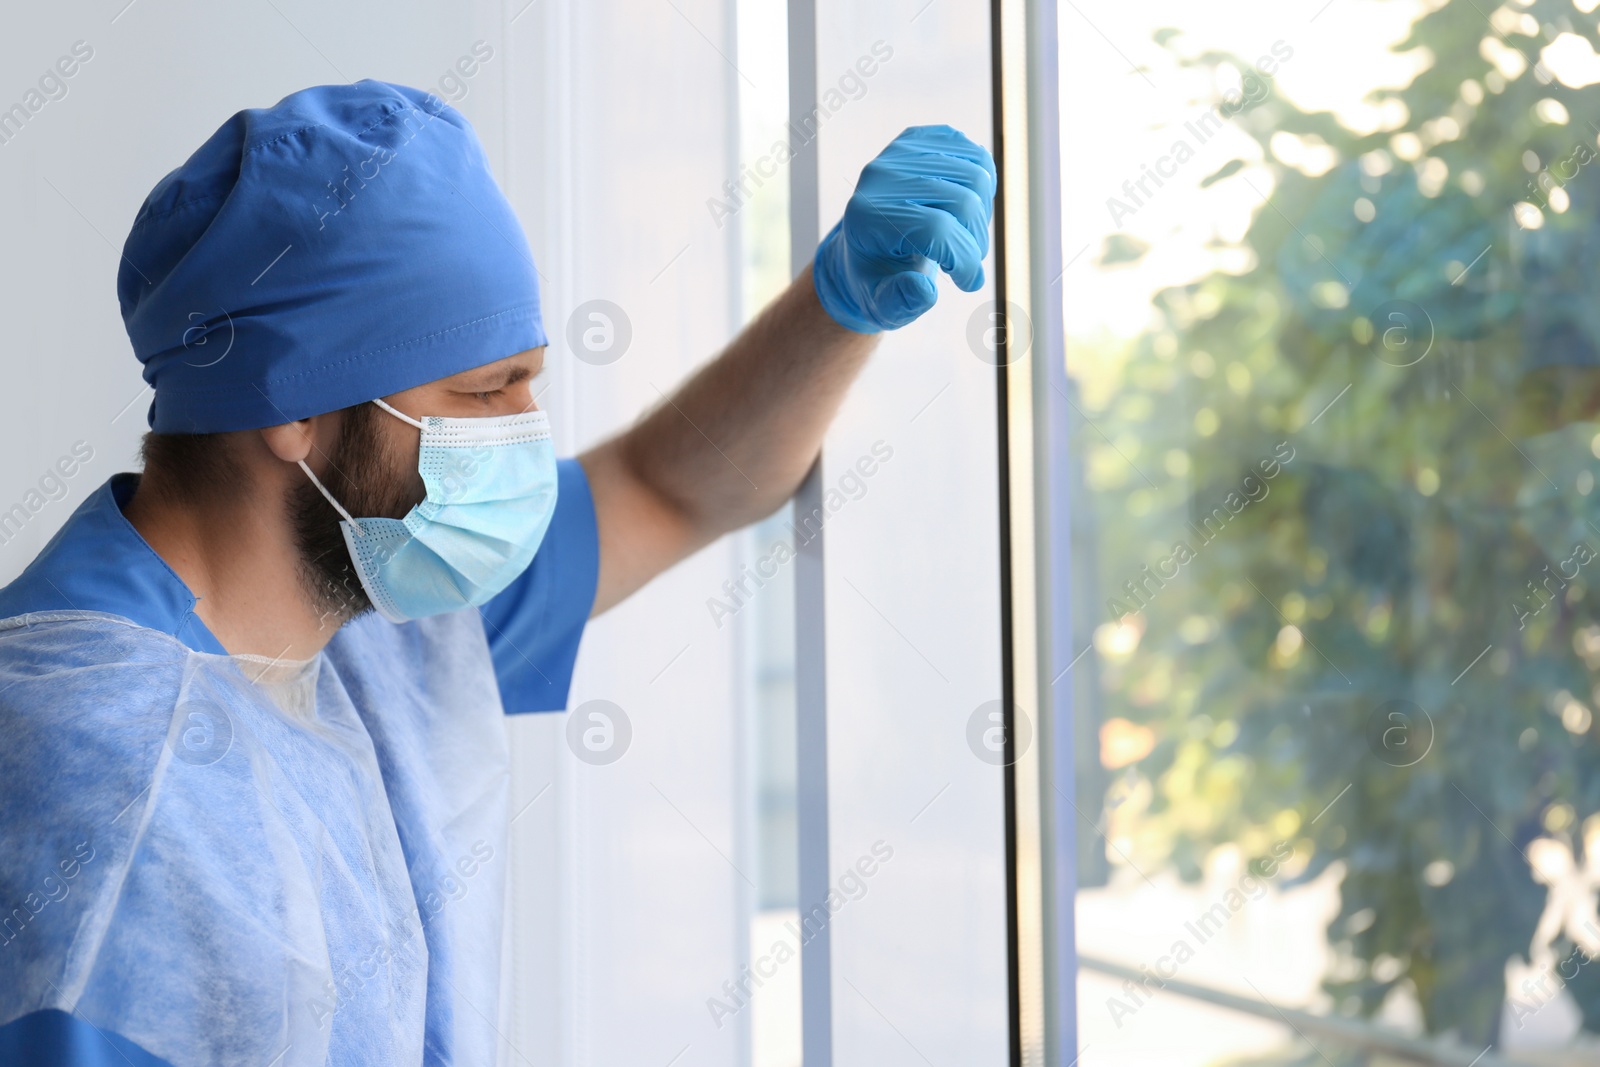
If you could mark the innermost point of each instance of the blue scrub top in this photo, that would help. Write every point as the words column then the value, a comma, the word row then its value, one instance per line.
column 99, row 562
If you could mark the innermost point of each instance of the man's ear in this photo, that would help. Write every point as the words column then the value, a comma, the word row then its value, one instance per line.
column 292, row 441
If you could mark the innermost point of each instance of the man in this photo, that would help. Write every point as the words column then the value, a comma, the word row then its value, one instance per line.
column 251, row 820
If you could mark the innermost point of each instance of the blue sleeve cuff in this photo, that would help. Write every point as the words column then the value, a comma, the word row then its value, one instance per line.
column 535, row 624
column 55, row 1039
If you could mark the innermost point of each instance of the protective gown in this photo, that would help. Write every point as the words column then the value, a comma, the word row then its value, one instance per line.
column 231, row 860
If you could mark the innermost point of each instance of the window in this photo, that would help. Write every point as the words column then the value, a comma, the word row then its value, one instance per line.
column 1332, row 354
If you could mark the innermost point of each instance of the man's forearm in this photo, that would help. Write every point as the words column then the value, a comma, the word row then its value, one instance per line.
column 727, row 448
column 733, row 444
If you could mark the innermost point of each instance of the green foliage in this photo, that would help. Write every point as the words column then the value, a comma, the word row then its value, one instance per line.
column 1401, row 539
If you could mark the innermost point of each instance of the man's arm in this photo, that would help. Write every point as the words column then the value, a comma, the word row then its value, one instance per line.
column 728, row 448
column 734, row 443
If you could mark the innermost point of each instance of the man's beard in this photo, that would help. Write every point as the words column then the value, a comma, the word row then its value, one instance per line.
column 371, row 482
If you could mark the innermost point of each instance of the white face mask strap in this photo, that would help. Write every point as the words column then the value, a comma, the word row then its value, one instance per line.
column 351, row 519
column 402, row 416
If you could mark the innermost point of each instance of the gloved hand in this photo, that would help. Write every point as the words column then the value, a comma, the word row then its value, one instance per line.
column 923, row 204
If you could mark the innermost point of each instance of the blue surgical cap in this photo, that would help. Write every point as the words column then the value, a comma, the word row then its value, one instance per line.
column 346, row 243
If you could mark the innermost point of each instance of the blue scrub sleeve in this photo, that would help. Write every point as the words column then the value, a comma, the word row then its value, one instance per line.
column 55, row 1039
column 535, row 624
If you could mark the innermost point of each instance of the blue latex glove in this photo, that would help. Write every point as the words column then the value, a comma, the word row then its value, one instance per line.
column 923, row 205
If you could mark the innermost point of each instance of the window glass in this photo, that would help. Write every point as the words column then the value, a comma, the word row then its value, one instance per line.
column 757, row 202
column 1332, row 336
column 910, row 480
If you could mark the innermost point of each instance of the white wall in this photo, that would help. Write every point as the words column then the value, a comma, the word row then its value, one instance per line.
column 621, row 122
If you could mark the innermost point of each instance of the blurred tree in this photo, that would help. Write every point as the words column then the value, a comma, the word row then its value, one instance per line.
column 1382, row 651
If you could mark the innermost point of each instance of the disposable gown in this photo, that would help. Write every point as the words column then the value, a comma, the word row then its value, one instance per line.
column 225, row 860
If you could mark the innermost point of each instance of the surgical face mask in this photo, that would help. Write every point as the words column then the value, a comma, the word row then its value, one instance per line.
column 491, row 490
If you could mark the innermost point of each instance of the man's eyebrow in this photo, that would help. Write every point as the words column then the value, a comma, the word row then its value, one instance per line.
column 510, row 376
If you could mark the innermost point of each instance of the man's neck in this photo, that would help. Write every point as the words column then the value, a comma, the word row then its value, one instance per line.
column 238, row 558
